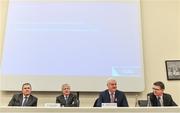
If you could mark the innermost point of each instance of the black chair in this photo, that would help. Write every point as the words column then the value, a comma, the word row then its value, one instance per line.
column 142, row 103
column 95, row 103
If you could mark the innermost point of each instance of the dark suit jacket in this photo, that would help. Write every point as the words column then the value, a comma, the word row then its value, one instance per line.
column 167, row 100
column 71, row 102
column 120, row 98
column 18, row 98
column 96, row 103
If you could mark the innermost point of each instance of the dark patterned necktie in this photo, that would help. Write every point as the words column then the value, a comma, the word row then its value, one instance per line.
column 112, row 97
column 66, row 98
column 158, row 101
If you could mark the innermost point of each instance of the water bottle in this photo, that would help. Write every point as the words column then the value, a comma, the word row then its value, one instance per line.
column 136, row 101
column 148, row 101
column 78, row 103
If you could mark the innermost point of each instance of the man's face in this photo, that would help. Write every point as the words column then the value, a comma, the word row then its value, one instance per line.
column 157, row 90
column 112, row 86
column 66, row 90
column 26, row 90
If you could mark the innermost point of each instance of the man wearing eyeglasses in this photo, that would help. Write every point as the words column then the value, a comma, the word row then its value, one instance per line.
column 158, row 97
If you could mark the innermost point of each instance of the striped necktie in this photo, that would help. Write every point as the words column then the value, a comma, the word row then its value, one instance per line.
column 25, row 101
column 112, row 97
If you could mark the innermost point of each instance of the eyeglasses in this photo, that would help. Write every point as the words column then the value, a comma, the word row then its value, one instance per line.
column 113, row 84
column 156, row 89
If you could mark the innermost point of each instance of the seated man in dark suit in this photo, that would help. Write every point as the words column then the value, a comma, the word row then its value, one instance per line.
column 112, row 95
column 67, row 99
column 158, row 97
column 25, row 98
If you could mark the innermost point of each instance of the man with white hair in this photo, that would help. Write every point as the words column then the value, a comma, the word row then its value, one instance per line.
column 67, row 99
column 112, row 95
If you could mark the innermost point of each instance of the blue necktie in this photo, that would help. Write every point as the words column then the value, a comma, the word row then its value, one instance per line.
column 158, row 101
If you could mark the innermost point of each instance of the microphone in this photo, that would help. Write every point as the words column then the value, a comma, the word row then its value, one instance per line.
column 136, row 101
column 78, row 95
column 78, row 101
column 148, row 101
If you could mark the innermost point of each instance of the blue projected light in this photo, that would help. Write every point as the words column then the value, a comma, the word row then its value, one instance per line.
column 71, row 41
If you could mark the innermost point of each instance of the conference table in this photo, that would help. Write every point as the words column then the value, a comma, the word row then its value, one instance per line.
column 5, row 109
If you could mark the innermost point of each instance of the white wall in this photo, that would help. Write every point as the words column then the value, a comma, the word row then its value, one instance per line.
column 161, row 41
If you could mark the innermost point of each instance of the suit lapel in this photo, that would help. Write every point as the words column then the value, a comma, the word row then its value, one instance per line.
column 69, row 98
column 29, row 100
column 116, row 96
column 63, row 99
column 154, row 100
column 165, row 100
column 21, row 99
column 108, row 96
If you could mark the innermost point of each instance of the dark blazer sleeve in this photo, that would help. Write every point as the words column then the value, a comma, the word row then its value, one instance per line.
column 12, row 101
column 95, row 103
column 57, row 100
column 173, row 104
column 33, row 101
column 122, row 102
column 153, row 99
column 168, row 101
column 73, row 101
column 60, row 99
column 16, row 100
column 100, row 100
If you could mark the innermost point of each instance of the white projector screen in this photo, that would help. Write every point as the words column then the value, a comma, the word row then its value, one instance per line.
column 83, row 43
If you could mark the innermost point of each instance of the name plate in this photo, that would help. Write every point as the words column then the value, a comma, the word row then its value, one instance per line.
column 52, row 105
column 109, row 104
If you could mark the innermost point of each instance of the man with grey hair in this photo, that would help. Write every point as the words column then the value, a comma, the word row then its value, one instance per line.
column 112, row 95
column 24, row 98
column 67, row 99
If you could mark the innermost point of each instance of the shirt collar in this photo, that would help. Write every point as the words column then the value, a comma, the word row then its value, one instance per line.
column 160, row 97
column 66, row 96
column 111, row 93
column 26, row 96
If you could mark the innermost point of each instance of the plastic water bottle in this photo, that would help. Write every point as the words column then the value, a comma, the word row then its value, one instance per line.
column 78, row 103
column 136, row 101
column 148, row 101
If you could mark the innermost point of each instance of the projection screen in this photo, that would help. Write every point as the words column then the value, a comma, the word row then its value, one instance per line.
column 80, row 42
